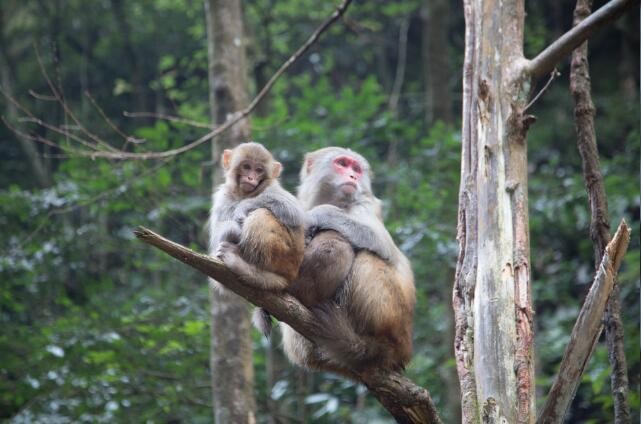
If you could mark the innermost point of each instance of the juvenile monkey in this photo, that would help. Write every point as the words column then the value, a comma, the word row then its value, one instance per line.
column 352, row 275
column 256, row 226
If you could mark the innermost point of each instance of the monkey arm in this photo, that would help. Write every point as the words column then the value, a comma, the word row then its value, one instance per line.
column 359, row 234
column 280, row 203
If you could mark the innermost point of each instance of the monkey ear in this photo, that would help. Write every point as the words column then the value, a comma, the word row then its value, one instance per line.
column 226, row 158
column 277, row 167
column 307, row 166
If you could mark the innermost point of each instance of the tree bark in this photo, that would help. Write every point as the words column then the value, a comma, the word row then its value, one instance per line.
column 584, row 112
column 407, row 402
column 231, row 351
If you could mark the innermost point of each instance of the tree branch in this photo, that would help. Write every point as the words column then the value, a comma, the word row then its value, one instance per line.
column 546, row 60
column 112, row 153
column 407, row 402
column 586, row 331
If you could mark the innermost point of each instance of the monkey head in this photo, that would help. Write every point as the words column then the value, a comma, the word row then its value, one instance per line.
column 334, row 175
column 249, row 168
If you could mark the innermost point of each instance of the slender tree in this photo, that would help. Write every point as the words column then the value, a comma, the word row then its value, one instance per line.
column 231, row 353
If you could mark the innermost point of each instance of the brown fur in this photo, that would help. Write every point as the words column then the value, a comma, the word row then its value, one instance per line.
column 271, row 246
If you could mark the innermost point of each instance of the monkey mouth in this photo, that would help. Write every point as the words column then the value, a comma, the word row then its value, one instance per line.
column 248, row 187
column 349, row 187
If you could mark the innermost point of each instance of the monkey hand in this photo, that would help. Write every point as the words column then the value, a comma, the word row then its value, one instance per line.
column 227, row 252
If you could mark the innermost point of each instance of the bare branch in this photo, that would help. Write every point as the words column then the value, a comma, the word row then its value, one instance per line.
column 586, row 331
column 406, row 401
column 548, row 58
column 127, row 138
column 68, row 112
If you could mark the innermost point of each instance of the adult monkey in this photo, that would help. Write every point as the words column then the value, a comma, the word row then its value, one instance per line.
column 353, row 275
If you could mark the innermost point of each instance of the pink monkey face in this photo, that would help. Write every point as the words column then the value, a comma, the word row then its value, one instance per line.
column 349, row 172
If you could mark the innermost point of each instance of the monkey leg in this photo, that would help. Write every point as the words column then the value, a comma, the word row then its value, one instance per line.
column 327, row 261
column 304, row 353
column 270, row 245
column 379, row 299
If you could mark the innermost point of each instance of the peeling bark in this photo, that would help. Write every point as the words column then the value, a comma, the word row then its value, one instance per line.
column 492, row 289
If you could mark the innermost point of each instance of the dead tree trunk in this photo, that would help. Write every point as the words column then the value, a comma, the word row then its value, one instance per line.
column 492, row 288
column 231, row 351
column 492, row 299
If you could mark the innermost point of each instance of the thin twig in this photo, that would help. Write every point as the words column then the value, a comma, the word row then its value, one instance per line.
column 553, row 75
column 127, row 138
column 68, row 112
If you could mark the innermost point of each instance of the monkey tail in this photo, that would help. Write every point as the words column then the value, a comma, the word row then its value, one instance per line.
column 342, row 345
column 262, row 321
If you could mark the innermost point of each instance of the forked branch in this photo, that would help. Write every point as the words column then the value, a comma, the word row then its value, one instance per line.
column 407, row 402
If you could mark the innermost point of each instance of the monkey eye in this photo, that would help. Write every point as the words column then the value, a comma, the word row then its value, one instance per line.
column 357, row 168
column 342, row 162
column 246, row 166
column 260, row 170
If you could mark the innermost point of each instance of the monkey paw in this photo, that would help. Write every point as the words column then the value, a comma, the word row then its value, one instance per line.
column 226, row 252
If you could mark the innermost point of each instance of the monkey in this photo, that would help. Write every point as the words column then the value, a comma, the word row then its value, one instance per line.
column 353, row 276
column 256, row 227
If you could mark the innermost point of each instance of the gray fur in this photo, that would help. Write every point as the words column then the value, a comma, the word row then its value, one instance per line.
column 359, row 234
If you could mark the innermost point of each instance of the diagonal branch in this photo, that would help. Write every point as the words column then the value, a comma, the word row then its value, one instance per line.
column 546, row 60
column 407, row 402
column 586, row 331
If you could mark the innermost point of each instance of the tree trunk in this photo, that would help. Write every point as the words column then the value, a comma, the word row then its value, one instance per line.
column 492, row 294
column 438, row 101
column 231, row 351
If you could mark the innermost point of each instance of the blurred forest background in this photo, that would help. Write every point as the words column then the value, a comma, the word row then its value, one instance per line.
column 98, row 327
